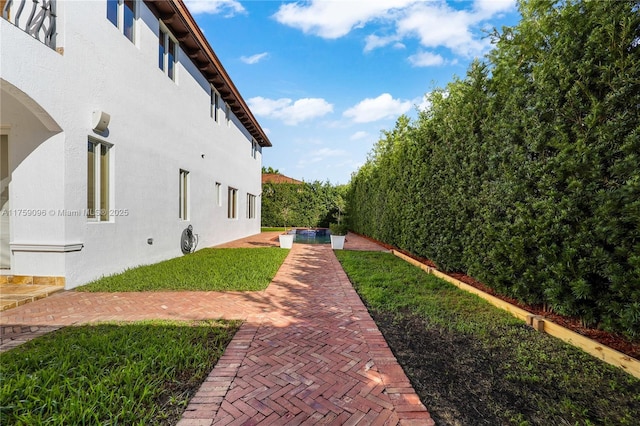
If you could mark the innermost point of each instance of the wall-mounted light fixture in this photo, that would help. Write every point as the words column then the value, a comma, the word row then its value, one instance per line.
column 100, row 121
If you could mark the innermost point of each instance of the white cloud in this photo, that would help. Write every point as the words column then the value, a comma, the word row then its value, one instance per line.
column 438, row 25
column 423, row 103
column 434, row 23
column 426, row 59
column 228, row 7
column 373, row 41
column 384, row 106
column 491, row 7
column 359, row 135
column 323, row 153
column 320, row 155
column 290, row 112
column 254, row 59
column 266, row 107
column 334, row 19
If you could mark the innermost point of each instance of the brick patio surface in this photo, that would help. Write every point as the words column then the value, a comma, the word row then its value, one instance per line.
column 307, row 353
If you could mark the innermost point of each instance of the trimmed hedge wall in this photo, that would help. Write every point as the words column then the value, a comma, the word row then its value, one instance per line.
column 309, row 204
column 526, row 173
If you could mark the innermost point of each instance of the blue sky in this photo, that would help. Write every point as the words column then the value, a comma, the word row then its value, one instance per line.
column 325, row 77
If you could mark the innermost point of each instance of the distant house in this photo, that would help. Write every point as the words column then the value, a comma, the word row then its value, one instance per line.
column 278, row 178
column 119, row 129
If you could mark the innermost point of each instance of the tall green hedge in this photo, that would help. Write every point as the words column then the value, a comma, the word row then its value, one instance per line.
column 309, row 204
column 526, row 173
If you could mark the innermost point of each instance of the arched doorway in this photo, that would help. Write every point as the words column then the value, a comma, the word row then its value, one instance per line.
column 24, row 125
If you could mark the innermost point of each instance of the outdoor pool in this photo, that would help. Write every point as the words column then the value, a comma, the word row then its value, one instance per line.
column 311, row 236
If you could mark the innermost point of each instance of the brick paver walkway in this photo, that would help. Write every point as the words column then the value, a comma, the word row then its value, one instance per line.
column 307, row 353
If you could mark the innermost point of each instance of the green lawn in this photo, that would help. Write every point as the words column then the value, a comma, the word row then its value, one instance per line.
column 131, row 373
column 210, row 269
column 468, row 361
column 472, row 363
column 276, row 229
column 110, row 374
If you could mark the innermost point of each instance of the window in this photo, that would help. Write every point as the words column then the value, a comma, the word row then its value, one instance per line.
column 215, row 104
column 254, row 148
column 121, row 13
column 112, row 11
column 167, row 48
column 227, row 114
column 218, row 194
column 251, row 206
column 98, row 181
column 184, row 195
column 232, row 203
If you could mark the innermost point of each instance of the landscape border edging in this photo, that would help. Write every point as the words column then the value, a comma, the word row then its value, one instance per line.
column 596, row 349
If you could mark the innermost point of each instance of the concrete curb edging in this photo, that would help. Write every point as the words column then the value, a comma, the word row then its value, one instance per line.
column 596, row 349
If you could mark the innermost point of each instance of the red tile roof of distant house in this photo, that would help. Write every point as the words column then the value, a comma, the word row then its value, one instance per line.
column 278, row 178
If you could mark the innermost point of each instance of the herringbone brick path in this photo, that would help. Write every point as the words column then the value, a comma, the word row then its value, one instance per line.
column 315, row 357
column 308, row 352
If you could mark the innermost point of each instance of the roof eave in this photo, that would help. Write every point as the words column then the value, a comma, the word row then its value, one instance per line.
column 175, row 15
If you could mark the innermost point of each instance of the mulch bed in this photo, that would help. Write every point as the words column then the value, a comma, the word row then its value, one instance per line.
column 450, row 373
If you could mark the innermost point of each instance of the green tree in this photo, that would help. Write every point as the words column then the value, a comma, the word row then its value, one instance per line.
column 310, row 204
column 525, row 173
column 270, row 170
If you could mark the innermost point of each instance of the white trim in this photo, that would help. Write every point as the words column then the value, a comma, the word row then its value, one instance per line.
column 98, row 143
column 57, row 248
column 168, row 36
column 218, row 189
column 232, row 203
column 215, row 104
column 251, row 206
column 120, row 22
column 184, row 193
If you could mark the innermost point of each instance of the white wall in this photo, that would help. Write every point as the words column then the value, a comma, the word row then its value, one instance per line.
column 157, row 127
column 29, row 93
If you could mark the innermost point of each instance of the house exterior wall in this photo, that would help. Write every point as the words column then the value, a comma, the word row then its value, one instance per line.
column 157, row 128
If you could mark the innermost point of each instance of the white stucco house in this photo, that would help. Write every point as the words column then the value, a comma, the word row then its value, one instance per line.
column 119, row 129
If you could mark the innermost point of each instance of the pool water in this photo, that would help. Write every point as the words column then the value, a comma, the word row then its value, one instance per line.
column 311, row 236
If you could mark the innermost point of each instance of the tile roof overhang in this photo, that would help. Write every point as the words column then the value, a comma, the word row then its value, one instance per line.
column 278, row 178
column 175, row 15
